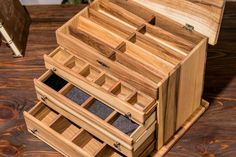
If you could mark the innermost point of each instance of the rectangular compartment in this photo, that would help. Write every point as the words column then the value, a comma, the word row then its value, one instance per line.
column 44, row 114
column 60, row 56
column 122, row 91
column 88, row 142
column 75, row 64
column 106, row 82
column 65, row 127
column 90, row 72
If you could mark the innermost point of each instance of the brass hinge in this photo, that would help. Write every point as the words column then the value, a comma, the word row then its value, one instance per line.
column 189, row 27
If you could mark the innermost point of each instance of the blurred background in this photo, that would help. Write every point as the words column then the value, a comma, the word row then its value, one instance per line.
column 34, row 2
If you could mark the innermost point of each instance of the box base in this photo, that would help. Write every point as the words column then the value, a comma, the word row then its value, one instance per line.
column 197, row 114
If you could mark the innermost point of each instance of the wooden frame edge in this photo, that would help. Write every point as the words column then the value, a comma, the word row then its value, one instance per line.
column 193, row 118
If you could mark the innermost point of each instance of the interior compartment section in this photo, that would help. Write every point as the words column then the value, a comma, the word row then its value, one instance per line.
column 76, row 95
column 65, row 127
column 150, row 63
column 89, row 143
column 124, row 124
column 136, row 36
column 106, row 82
column 44, row 114
column 122, row 91
column 90, row 72
column 75, row 64
column 141, row 101
column 55, row 82
column 99, row 109
column 60, row 56
column 159, row 21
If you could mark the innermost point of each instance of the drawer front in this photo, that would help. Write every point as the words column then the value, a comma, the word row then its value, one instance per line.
column 102, row 85
column 60, row 132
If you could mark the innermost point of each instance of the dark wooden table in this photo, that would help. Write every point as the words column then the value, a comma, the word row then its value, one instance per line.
column 214, row 135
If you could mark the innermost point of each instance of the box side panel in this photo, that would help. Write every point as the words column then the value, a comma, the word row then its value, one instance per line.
column 191, row 83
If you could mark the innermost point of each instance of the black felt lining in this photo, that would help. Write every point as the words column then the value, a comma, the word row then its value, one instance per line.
column 77, row 95
column 100, row 109
column 55, row 82
column 125, row 125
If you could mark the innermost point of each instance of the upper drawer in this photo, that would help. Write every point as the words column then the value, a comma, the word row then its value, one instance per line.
column 102, row 85
column 92, row 114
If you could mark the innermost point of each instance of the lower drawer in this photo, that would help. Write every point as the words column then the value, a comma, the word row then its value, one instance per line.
column 70, row 139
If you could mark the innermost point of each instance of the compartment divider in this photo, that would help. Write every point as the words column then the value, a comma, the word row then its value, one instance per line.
column 94, row 42
column 119, row 13
column 132, row 38
column 68, row 59
column 64, row 89
column 104, row 145
column 142, row 29
column 88, row 102
column 106, row 21
column 77, row 134
column 111, row 116
column 99, row 76
column 121, row 47
column 57, row 117
column 152, row 20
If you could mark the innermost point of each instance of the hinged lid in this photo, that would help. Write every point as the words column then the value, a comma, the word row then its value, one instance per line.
column 204, row 16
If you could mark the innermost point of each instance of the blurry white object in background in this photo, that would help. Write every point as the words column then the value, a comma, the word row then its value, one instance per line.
column 33, row 2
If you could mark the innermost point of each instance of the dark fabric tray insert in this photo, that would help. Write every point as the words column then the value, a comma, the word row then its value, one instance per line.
column 77, row 95
column 100, row 109
column 125, row 125
column 55, row 82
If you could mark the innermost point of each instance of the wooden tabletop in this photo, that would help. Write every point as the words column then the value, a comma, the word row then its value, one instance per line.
column 214, row 134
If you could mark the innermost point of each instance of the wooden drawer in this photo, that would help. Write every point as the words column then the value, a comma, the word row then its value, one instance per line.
column 72, row 139
column 101, row 85
column 61, row 95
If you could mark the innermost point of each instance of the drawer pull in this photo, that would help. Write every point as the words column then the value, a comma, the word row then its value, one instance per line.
column 102, row 64
column 44, row 98
column 128, row 115
column 117, row 145
column 34, row 131
column 54, row 69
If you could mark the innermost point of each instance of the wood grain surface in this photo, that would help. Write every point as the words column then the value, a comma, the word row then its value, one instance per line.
column 213, row 135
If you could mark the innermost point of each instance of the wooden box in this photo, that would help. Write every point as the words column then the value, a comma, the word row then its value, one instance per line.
column 127, row 78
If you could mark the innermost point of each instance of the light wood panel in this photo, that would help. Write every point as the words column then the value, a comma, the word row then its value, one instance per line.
column 204, row 15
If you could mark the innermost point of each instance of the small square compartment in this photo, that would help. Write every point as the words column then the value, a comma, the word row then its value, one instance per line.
column 75, row 64
column 60, row 56
column 122, row 91
column 140, row 101
column 90, row 72
column 88, row 143
column 124, row 124
column 44, row 114
column 106, row 82
column 55, row 82
column 65, row 127
column 99, row 109
column 76, row 95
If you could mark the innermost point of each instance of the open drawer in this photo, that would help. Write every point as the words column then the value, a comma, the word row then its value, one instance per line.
column 101, row 85
column 117, row 130
column 69, row 138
